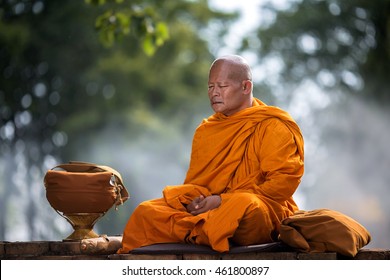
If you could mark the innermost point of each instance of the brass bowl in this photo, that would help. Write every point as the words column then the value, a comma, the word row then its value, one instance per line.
column 82, row 224
column 81, row 198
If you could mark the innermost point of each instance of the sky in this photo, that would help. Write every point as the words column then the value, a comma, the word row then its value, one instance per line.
column 250, row 17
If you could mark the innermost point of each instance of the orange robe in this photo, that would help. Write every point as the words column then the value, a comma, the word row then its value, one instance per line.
column 253, row 159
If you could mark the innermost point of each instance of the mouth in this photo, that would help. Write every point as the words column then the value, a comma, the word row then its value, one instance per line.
column 215, row 102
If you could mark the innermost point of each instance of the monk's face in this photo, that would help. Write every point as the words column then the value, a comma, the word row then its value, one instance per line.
column 227, row 93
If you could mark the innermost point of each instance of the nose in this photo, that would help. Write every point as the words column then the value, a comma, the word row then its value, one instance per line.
column 214, row 91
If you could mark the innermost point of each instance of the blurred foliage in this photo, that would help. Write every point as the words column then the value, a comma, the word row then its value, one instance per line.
column 338, row 44
column 60, row 86
column 70, row 69
column 137, row 17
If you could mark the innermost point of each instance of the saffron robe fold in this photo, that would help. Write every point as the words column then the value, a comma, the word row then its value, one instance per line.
column 253, row 159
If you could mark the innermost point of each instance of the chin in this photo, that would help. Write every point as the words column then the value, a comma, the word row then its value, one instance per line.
column 217, row 108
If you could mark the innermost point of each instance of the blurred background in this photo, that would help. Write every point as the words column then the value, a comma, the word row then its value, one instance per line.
column 124, row 83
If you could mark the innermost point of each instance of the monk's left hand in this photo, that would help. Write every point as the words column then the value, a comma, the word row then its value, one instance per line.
column 206, row 204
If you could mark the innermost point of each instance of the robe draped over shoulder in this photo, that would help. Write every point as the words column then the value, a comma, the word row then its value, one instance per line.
column 253, row 159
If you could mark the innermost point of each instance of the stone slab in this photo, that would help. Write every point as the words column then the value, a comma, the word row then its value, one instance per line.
column 34, row 248
column 373, row 254
column 317, row 256
column 261, row 256
column 144, row 257
column 65, row 248
column 2, row 248
column 200, row 257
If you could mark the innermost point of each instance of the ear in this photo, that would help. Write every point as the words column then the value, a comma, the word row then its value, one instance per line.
column 247, row 86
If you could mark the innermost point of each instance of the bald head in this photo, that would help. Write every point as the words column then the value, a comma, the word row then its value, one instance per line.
column 230, row 85
column 237, row 67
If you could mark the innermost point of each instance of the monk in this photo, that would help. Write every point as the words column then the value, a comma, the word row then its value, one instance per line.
column 246, row 163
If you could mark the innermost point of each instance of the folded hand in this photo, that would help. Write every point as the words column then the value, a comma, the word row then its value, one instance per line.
column 203, row 204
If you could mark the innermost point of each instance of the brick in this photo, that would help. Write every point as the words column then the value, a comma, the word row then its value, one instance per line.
column 144, row 257
column 53, row 257
column 69, row 257
column 262, row 256
column 373, row 254
column 34, row 248
column 240, row 256
column 200, row 256
column 89, row 257
column 2, row 248
column 317, row 256
column 65, row 248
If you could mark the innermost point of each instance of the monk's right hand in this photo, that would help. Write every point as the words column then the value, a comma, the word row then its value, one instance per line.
column 203, row 204
column 194, row 205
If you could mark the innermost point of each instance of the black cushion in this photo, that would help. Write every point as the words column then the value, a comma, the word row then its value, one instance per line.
column 182, row 248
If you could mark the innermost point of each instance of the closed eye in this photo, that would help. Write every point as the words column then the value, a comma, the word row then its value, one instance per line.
column 219, row 86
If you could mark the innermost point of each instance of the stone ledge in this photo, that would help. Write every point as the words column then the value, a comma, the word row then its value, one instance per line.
column 58, row 250
column 371, row 254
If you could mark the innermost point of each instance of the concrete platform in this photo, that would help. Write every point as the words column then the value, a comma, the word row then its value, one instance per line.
column 106, row 250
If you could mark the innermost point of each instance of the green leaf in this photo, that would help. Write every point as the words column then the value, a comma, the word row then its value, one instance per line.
column 95, row 2
column 124, row 22
column 107, row 37
column 103, row 20
column 148, row 45
column 162, row 33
